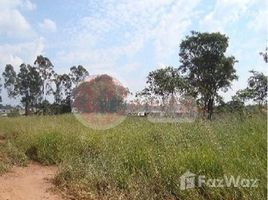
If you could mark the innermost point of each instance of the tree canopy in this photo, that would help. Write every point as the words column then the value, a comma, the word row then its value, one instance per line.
column 101, row 94
column 27, row 84
column 33, row 83
column 256, row 89
column 206, row 67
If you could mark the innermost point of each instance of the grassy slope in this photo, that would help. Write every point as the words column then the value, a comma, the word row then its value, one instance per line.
column 141, row 160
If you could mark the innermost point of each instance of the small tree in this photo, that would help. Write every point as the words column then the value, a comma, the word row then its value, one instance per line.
column 256, row 89
column 206, row 67
column 78, row 74
column 265, row 55
column 165, row 83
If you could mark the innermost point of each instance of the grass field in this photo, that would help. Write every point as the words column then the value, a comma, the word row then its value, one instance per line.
column 139, row 159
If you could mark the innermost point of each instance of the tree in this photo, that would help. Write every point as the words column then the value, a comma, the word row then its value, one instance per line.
column 102, row 94
column 45, row 69
column 78, row 74
column 242, row 95
column 27, row 84
column 63, row 85
column 235, row 105
column 10, row 80
column 164, row 82
column 256, row 89
column 206, row 67
column 265, row 55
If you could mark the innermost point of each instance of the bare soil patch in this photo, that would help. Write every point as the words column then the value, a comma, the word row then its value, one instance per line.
column 33, row 182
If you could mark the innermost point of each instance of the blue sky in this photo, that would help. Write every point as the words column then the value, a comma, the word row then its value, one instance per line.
column 125, row 38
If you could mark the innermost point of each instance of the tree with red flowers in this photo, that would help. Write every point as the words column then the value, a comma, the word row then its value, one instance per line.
column 101, row 94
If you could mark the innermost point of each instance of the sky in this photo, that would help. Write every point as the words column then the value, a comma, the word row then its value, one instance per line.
column 127, row 39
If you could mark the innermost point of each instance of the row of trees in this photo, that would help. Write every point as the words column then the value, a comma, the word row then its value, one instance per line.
column 34, row 83
column 205, row 70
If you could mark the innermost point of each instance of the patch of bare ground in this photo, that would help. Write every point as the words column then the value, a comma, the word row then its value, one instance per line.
column 33, row 182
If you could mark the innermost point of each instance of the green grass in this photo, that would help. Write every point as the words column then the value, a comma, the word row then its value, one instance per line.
column 142, row 160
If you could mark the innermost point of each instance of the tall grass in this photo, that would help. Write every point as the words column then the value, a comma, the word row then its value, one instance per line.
column 143, row 160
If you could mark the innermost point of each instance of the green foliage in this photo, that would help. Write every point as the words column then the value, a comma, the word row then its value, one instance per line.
column 45, row 69
column 265, row 55
column 10, row 77
column 164, row 82
column 143, row 160
column 33, row 83
column 26, row 84
column 63, row 88
column 78, row 74
column 231, row 106
column 256, row 90
column 206, row 67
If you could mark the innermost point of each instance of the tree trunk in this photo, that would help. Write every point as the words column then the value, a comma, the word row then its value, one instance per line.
column 205, row 109
column 210, row 108
column 27, row 105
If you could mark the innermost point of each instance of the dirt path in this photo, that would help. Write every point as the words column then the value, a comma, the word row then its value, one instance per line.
column 28, row 183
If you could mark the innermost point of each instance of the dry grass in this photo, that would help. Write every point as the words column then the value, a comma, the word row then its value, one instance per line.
column 143, row 160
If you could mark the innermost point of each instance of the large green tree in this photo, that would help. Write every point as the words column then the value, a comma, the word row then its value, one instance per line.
column 206, row 67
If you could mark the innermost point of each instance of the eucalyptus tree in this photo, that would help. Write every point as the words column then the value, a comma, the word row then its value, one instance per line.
column 78, row 74
column 63, row 88
column 27, row 85
column 45, row 68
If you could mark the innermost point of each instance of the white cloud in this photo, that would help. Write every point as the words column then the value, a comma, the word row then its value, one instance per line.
column 15, row 27
column 19, row 53
column 172, row 27
column 259, row 23
column 122, row 30
column 12, row 22
column 225, row 12
column 135, row 23
column 48, row 25
column 29, row 5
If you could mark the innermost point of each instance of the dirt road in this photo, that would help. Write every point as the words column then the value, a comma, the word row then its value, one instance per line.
column 28, row 183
